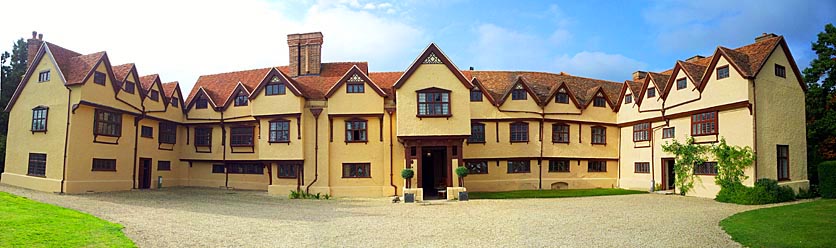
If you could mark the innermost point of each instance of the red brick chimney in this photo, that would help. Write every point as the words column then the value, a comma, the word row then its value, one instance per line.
column 639, row 75
column 305, row 53
column 32, row 46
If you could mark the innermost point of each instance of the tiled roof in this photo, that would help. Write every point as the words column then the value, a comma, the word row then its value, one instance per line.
column 696, row 71
column 660, row 80
column 147, row 81
column 121, row 71
column 498, row 83
column 385, row 80
column 634, row 86
column 79, row 66
column 170, row 87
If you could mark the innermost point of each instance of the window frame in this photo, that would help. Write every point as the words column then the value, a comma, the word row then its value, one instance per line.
column 603, row 135
column 779, row 159
column 129, row 87
column 710, row 171
column 283, row 167
column 241, row 99
column 641, row 167
column 593, row 163
column 668, row 132
column 117, row 123
column 277, row 131
column 557, row 134
column 43, row 76
column 697, row 124
column 723, row 75
column 526, row 162
column 174, row 102
column 351, row 126
column 199, row 136
column 99, row 78
column 474, row 138
column 430, row 104
column 554, row 166
column 245, row 168
column 366, row 166
column 476, row 95
column 681, row 83
column 512, row 131
column 561, row 97
column 651, row 90
column 780, row 71
column 37, row 118
column 103, row 164
column 355, row 87
column 280, row 89
column 215, row 168
column 201, row 103
column 160, row 166
column 245, row 134
column 148, row 134
column 36, row 165
column 628, row 98
column 641, row 132
column 154, row 95
column 469, row 164
column 519, row 93
column 599, row 101
column 167, row 132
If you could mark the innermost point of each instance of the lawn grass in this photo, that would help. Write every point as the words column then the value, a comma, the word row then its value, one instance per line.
column 27, row 223
column 551, row 193
column 811, row 224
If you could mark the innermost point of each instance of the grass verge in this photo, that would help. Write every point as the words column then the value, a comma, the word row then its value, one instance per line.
column 27, row 223
column 551, row 193
column 810, row 224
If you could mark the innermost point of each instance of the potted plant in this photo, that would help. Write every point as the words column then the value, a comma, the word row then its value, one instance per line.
column 407, row 174
column 462, row 172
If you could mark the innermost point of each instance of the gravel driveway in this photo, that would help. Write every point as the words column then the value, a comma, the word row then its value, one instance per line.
column 199, row 217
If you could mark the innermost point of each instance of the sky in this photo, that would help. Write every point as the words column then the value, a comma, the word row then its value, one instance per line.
column 181, row 40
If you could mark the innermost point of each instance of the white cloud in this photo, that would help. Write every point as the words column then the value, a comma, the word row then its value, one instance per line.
column 181, row 40
column 613, row 67
column 500, row 48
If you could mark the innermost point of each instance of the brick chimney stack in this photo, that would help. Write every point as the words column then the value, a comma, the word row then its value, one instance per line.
column 639, row 75
column 694, row 58
column 764, row 36
column 305, row 53
column 32, row 46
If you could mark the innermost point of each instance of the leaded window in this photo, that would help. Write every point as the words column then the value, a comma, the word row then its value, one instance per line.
column 275, row 87
column 355, row 84
column 241, row 136
column 519, row 166
column 433, row 103
column 641, row 132
column 43, row 76
column 39, row 117
column 168, row 133
column 163, row 165
column 704, row 124
column 154, row 95
column 241, row 99
column 356, row 130
column 37, row 164
column 357, row 170
column 100, row 164
column 596, row 166
column 628, row 99
column 475, row 95
column 280, row 131
column 477, row 167
column 707, row 168
column 641, row 167
column 245, row 168
column 651, row 92
column 518, row 93
column 599, row 135
column 559, row 165
column 288, row 170
column 668, row 133
column 519, row 132
column 129, row 87
column 723, row 72
column 783, row 152
column 681, row 83
column 780, row 71
column 108, row 123
column 562, row 96
column 477, row 133
column 560, row 133
column 202, row 136
column 99, row 78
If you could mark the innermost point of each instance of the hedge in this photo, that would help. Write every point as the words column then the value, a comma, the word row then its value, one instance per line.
column 765, row 191
column 827, row 179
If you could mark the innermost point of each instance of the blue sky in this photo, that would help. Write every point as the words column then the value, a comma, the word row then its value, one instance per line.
column 598, row 39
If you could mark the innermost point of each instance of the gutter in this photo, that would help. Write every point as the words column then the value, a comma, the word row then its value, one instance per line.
column 754, row 112
column 66, row 139
column 223, row 144
column 391, row 159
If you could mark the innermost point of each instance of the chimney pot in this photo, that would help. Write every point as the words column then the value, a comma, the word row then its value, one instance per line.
column 40, row 36
column 471, row 68
column 34, row 34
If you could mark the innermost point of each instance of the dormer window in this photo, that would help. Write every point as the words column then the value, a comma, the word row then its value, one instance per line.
column 241, row 99
column 175, row 102
column 201, row 103
column 355, row 84
column 154, row 95
column 475, row 95
column 599, row 100
column 129, row 87
column 275, row 87
column 99, row 78
column 628, row 99
column 723, row 72
column 651, row 92
column 562, row 96
column 681, row 83
column 43, row 76
column 518, row 93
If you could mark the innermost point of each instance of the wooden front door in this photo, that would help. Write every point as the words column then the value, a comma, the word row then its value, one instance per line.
column 144, row 173
column 668, row 174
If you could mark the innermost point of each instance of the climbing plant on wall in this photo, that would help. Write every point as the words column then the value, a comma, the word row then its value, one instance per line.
column 731, row 162
column 687, row 155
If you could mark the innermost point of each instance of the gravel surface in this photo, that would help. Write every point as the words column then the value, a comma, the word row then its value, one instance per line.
column 200, row 217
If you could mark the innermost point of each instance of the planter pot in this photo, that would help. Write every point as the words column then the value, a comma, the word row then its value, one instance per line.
column 408, row 198
column 463, row 196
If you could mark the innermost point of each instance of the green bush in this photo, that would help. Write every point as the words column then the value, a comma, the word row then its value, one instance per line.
column 305, row 195
column 462, row 171
column 407, row 173
column 827, row 179
column 806, row 194
column 765, row 191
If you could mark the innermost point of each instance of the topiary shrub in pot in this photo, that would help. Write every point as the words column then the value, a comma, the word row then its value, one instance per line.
column 407, row 175
column 462, row 172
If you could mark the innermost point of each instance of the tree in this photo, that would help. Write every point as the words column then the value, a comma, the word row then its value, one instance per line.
column 10, row 76
column 820, row 78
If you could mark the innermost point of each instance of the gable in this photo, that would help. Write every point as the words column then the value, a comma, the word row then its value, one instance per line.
column 355, row 75
column 432, row 55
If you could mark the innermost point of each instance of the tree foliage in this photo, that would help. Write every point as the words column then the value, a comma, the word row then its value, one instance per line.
column 731, row 163
column 820, row 78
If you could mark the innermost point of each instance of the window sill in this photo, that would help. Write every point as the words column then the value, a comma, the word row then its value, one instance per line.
column 33, row 175
column 560, row 142
column 149, row 137
column 279, row 141
column 599, row 144
column 521, row 172
column 280, row 177
column 695, row 174
column 476, row 142
column 558, row 171
column 108, row 135
column 249, row 145
column 705, row 134
column 636, row 172
column 784, row 180
column 433, row 116
column 519, row 141
column 169, row 143
column 639, row 140
column 356, row 141
column 38, row 131
column 369, row 177
column 196, row 145
column 104, row 170
column 597, row 171
column 164, row 170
